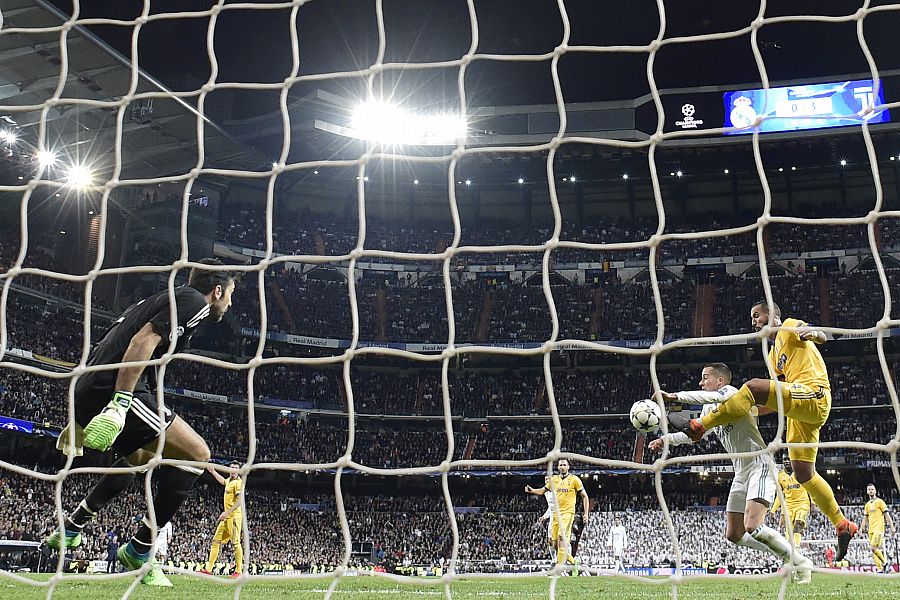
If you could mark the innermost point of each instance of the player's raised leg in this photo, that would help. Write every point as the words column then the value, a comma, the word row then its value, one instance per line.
column 174, row 483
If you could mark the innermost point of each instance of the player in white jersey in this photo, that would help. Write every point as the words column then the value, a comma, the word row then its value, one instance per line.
column 753, row 488
column 163, row 539
column 548, row 496
column 618, row 541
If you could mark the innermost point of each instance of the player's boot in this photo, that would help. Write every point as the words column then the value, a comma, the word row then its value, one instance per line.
column 156, row 578
column 681, row 421
column 104, row 428
column 133, row 561
column 69, row 540
column 206, row 571
column 846, row 529
column 803, row 572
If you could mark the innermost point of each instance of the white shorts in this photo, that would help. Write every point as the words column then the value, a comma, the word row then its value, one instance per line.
column 618, row 551
column 162, row 550
column 757, row 483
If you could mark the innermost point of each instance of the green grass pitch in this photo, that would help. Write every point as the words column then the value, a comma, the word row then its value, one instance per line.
column 832, row 587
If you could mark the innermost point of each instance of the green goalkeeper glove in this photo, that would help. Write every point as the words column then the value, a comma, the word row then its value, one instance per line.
column 103, row 429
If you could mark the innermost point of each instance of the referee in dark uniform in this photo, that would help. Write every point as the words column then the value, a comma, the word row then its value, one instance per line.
column 117, row 407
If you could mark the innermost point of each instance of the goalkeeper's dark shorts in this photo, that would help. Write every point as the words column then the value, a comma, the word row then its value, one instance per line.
column 142, row 425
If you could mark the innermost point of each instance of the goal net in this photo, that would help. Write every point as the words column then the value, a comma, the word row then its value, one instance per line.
column 133, row 165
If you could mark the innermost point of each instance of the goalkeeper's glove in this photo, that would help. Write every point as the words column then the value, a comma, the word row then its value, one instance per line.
column 104, row 428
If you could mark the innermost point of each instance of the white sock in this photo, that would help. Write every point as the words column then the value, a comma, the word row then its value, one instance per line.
column 750, row 542
column 774, row 541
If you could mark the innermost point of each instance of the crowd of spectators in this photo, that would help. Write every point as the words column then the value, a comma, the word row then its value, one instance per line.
column 300, row 528
column 513, row 313
column 313, row 234
column 400, row 308
column 378, row 442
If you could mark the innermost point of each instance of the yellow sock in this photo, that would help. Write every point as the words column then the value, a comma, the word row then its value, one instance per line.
column 731, row 410
column 238, row 558
column 797, row 538
column 879, row 558
column 213, row 556
column 561, row 555
column 822, row 494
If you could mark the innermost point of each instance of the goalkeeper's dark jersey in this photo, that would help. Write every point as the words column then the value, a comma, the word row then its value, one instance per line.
column 191, row 309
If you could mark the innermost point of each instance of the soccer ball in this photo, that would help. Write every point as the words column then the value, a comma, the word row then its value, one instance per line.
column 645, row 415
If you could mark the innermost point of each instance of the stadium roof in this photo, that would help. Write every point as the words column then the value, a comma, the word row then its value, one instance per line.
column 159, row 134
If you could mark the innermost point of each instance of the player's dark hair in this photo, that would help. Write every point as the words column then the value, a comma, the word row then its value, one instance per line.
column 206, row 280
column 720, row 369
column 563, row 459
column 234, row 463
column 775, row 309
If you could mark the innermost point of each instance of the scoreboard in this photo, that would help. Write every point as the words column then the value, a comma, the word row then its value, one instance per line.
column 798, row 107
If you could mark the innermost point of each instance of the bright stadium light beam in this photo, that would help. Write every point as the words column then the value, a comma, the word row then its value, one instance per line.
column 79, row 176
column 386, row 124
column 45, row 158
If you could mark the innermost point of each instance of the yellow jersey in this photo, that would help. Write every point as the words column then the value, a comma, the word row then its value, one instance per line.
column 795, row 497
column 875, row 510
column 233, row 489
column 567, row 489
column 797, row 360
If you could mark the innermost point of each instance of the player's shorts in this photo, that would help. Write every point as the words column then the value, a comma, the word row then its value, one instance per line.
column 618, row 550
column 807, row 409
column 876, row 538
column 162, row 550
column 229, row 530
column 550, row 528
column 800, row 515
column 563, row 529
column 142, row 425
column 756, row 483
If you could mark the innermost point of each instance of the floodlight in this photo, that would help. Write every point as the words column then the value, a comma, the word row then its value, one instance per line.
column 387, row 124
column 79, row 176
column 45, row 158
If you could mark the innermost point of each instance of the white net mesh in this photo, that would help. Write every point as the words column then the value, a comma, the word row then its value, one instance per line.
column 112, row 184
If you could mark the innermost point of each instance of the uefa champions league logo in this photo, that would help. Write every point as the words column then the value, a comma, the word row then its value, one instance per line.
column 689, row 122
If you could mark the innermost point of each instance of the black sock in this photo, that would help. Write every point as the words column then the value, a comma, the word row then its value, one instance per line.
column 109, row 486
column 174, row 486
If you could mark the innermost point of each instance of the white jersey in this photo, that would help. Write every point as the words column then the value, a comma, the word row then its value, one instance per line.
column 163, row 538
column 618, row 537
column 548, row 496
column 741, row 436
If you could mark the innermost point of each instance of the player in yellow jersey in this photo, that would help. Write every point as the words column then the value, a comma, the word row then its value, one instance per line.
column 566, row 487
column 229, row 527
column 797, row 503
column 806, row 394
column 876, row 516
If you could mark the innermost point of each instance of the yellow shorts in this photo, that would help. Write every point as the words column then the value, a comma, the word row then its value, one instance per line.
column 563, row 530
column 876, row 538
column 800, row 515
column 229, row 530
column 806, row 409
